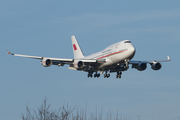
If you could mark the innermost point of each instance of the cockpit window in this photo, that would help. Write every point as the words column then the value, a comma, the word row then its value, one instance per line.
column 127, row 42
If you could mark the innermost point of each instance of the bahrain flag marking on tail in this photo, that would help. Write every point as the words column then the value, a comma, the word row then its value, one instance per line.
column 74, row 46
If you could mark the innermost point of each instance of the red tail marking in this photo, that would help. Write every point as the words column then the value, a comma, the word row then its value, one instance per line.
column 74, row 46
column 8, row 52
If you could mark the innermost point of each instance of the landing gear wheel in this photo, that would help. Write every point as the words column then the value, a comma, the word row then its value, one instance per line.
column 95, row 75
column 98, row 75
column 108, row 75
column 118, row 74
column 89, row 75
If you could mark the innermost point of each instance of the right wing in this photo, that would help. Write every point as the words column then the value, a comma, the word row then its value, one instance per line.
column 47, row 61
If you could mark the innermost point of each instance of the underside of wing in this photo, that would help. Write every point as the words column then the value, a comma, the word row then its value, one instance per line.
column 78, row 64
column 86, row 64
column 47, row 61
column 153, row 61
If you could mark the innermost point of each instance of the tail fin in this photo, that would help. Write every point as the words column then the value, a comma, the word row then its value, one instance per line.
column 76, row 48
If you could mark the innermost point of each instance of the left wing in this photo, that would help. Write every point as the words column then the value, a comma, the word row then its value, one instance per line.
column 154, row 61
column 142, row 65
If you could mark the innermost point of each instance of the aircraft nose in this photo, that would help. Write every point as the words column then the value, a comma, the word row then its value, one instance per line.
column 132, row 51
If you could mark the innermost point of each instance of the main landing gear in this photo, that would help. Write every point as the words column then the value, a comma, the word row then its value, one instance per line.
column 118, row 74
column 106, row 75
column 90, row 74
column 97, row 75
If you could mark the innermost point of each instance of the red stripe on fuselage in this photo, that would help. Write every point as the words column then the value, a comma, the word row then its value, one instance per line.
column 111, row 54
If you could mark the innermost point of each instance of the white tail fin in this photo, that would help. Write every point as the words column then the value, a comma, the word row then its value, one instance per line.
column 76, row 49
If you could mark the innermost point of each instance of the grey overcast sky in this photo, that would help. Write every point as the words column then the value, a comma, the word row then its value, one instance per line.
column 44, row 28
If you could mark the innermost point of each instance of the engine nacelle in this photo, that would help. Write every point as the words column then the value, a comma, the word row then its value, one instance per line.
column 156, row 66
column 141, row 66
column 78, row 64
column 46, row 62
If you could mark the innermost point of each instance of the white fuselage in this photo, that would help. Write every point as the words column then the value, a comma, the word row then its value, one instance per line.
column 114, row 54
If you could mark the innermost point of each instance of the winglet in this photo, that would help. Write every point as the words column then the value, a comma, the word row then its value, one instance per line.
column 168, row 58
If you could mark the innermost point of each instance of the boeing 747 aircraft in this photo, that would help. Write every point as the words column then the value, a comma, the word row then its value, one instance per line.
column 115, row 58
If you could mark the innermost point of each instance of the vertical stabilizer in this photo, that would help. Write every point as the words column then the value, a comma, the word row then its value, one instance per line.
column 76, row 48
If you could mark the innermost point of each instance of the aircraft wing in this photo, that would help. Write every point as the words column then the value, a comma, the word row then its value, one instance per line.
column 151, row 62
column 61, row 61
column 55, row 61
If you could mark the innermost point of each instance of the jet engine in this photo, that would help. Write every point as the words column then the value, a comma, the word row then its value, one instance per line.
column 78, row 64
column 141, row 66
column 156, row 66
column 46, row 62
